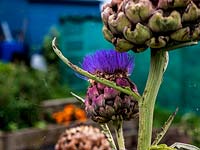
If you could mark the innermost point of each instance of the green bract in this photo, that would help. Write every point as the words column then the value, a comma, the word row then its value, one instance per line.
column 161, row 147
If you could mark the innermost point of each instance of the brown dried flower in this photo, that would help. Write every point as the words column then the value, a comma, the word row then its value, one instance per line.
column 82, row 138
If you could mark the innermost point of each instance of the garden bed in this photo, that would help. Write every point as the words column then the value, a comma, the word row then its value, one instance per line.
column 31, row 138
column 45, row 139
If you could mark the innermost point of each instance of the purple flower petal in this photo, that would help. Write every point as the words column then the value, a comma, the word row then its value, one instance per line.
column 99, row 101
column 108, row 61
column 110, row 93
column 92, row 92
column 122, row 82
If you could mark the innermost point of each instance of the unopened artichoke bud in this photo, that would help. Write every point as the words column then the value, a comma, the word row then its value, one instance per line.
column 144, row 23
column 122, row 45
column 82, row 138
column 182, row 34
column 118, row 23
column 103, row 103
column 160, row 23
column 159, row 42
column 139, row 49
column 138, row 11
column 106, row 13
column 107, row 111
column 165, row 4
column 192, row 13
column 107, row 34
column 181, row 3
column 196, row 33
column 138, row 36
column 186, row 34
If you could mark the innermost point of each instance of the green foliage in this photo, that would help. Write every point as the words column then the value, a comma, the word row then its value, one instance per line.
column 48, row 52
column 22, row 89
column 191, row 124
column 161, row 115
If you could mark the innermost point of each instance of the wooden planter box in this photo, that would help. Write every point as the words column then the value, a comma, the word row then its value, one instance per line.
column 45, row 139
column 31, row 138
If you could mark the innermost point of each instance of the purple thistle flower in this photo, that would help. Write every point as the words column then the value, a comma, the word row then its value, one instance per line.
column 109, row 62
column 103, row 103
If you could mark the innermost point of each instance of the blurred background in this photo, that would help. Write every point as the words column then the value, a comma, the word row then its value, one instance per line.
column 33, row 80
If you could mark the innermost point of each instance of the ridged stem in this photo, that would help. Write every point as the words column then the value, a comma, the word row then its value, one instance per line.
column 159, row 61
column 119, row 134
column 109, row 136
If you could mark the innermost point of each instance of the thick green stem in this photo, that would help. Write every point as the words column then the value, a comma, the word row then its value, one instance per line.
column 119, row 135
column 159, row 61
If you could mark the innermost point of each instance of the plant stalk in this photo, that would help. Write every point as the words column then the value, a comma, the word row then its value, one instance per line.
column 119, row 135
column 109, row 136
column 159, row 61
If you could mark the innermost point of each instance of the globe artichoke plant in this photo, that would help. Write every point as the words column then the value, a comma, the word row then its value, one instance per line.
column 139, row 24
column 103, row 103
column 160, row 25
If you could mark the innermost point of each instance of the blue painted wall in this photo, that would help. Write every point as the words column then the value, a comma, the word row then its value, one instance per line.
column 40, row 16
column 13, row 12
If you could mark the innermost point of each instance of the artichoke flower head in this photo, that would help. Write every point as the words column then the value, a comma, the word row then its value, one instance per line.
column 82, row 138
column 139, row 24
column 103, row 103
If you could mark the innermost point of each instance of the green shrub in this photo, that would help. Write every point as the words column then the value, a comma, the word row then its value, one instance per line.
column 188, row 122
column 22, row 89
column 191, row 123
